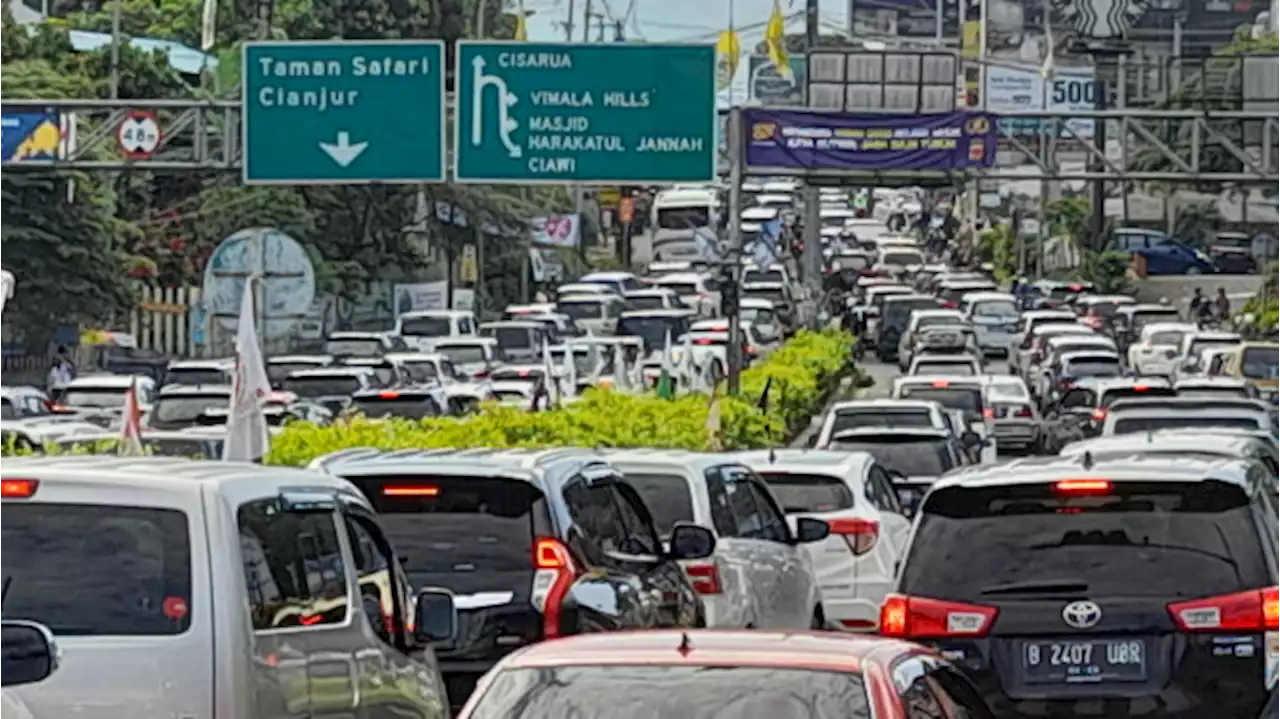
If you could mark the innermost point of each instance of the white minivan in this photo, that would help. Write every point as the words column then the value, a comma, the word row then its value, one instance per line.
column 213, row 590
column 422, row 329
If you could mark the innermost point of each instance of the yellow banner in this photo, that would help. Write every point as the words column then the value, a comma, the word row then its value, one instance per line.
column 728, row 55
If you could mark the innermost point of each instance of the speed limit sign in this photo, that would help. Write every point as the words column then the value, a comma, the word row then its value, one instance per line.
column 138, row 135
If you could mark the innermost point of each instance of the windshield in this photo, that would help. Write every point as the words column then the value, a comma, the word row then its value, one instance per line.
column 105, row 398
column 353, row 348
column 968, row 401
column 509, row 337
column 1260, row 362
column 935, row 367
column 682, row 289
column 667, row 496
column 426, row 327
column 652, row 330
column 1092, row 368
column 1007, row 392
column 196, row 376
column 775, row 295
column 809, row 492
column 647, row 302
column 1167, row 339
column 902, row 258
column 1129, row 425
column 171, row 409
column 909, row 457
column 996, row 308
column 671, row 692
column 1213, row 392
column 1165, row 540
column 278, row 372
column 312, row 387
column 683, row 218
column 97, row 570
column 759, row 275
column 758, row 316
column 581, row 310
column 463, row 354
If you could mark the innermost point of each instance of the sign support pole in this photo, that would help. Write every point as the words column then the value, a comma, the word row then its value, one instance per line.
column 736, row 161
column 811, row 257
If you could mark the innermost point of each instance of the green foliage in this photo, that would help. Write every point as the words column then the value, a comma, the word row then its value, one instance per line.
column 999, row 246
column 1108, row 271
column 803, row 372
column 1069, row 216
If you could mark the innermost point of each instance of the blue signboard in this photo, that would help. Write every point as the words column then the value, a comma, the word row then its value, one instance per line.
column 30, row 135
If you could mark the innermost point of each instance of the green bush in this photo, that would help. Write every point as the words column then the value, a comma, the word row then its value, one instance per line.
column 800, row 376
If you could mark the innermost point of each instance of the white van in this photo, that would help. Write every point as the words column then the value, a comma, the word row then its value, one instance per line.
column 214, row 590
column 676, row 215
column 422, row 329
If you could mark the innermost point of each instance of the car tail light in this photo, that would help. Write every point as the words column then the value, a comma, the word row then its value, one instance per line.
column 751, row 351
column 950, row 305
column 702, row 341
column 410, row 490
column 907, row 617
column 18, row 488
column 1099, row 415
column 481, row 374
column 1082, row 486
column 988, row 413
column 389, row 394
column 1140, row 388
column 554, row 572
column 1023, row 411
column 705, row 578
column 1255, row 610
column 860, row 534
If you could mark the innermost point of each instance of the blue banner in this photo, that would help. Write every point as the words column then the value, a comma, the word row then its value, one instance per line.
column 30, row 135
column 799, row 140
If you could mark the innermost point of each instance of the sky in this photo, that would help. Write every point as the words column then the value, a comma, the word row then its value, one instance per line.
column 676, row 20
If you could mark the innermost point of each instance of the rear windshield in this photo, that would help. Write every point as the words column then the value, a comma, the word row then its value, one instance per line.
column 463, row 354
column 968, row 401
column 682, row 289
column 896, row 312
column 1260, row 362
column 808, row 492
column 996, row 308
column 353, row 348
column 448, row 524
column 426, row 327
column 646, row 302
column 758, row 275
column 96, row 570
column 194, row 376
column 277, row 373
column 962, row 369
column 410, row 407
column 910, row 457
column 1106, row 310
column 1172, row 338
column 775, row 295
column 652, row 330
column 509, row 336
column 1092, row 368
column 1212, row 392
column 312, row 387
column 901, row 258
column 582, row 310
column 912, row 418
column 105, row 398
column 1111, row 395
column 1155, row 539
column 1128, row 425
column 686, row 692
column 186, row 409
column 667, row 496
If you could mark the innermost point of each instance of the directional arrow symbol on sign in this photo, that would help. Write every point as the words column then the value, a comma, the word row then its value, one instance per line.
column 343, row 152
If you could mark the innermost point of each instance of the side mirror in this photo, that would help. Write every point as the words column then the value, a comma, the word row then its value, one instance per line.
column 810, row 530
column 436, row 617
column 29, row 653
column 970, row 439
column 690, row 541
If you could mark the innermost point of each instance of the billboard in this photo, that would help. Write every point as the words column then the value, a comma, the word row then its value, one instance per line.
column 34, row 135
column 786, row 139
column 1067, row 91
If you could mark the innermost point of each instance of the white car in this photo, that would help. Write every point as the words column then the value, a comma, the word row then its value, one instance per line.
column 1017, row 420
column 994, row 316
column 620, row 282
column 694, row 290
column 856, row 564
column 106, row 392
column 1156, row 351
column 966, row 394
column 946, row 365
column 886, row 413
column 758, row 576
column 194, row 373
column 1027, row 322
column 422, row 329
column 597, row 314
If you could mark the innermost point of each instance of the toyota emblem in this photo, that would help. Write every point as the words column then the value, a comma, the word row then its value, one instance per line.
column 1082, row 615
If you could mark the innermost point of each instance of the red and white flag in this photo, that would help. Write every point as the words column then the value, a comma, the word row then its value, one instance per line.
column 247, row 436
column 131, row 428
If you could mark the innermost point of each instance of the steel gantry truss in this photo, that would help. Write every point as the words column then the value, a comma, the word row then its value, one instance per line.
column 1187, row 145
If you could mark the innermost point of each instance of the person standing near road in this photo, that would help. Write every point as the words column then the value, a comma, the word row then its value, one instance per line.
column 1221, row 305
column 61, row 372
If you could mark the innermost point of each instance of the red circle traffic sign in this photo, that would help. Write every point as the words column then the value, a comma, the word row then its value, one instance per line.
column 139, row 135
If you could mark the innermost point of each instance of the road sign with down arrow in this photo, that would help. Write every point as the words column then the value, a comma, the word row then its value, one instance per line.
column 343, row 112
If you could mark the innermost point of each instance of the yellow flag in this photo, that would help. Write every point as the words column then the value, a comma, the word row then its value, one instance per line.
column 728, row 54
column 522, row 27
column 775, row 41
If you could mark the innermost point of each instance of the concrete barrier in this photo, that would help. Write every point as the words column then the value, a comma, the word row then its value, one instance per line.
column 1180, row 288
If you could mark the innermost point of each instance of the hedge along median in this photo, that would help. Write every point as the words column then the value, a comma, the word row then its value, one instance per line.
column 799, row 376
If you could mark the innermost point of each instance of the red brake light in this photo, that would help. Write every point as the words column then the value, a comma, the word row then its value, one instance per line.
column 526, row 373
column 705, row 578
column 482, row 374
column 410, row 490
column 389, row 394
column 1255, row 610
column 751, row 351
column 1083, row 486
column 702, row 341
column 907, row 617
column 554, row 573
column 941, row 384
column 1099, row 415
column 988, row 413
column 1140, row 388
column 1023, row 411
column 18, row 488
column 859, row 534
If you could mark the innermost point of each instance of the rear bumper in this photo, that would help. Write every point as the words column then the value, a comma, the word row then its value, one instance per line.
column 993, row 341
column 852, row 614
column 1016, row 434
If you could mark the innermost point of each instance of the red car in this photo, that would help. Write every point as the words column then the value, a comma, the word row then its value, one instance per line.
column 719, row 674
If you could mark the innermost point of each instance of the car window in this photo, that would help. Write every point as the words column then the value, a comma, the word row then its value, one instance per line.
column 179, row 408
column 919, row 418
column 775, row 522
column 596, row 514
column 638, row 537
column 798, row 492
column 426, row 327
column 722, row 517
column 94, row 570
column 906, row 455
column 196, row 376
column 354, row 348
column 311, row 387
column 383, row 591
column 1129, row 425
column 880, row 491
column 293, row 567
column 666, row 495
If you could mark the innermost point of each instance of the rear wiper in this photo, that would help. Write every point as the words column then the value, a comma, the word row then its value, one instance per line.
column 1049, row 586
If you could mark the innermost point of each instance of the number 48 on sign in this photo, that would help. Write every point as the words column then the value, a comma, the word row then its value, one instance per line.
column 138, row 135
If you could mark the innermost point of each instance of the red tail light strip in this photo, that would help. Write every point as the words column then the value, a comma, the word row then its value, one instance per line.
column 860, row 534
column 907, row 617
column 1255, row 610
column 552, row 554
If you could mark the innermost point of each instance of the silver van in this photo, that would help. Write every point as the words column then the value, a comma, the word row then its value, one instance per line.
column 213, row 590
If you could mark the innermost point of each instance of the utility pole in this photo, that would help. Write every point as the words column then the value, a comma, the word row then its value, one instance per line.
column 618, row 34
column 568, row 23
column 811, row 258
column 731, row 281
column 586, row 22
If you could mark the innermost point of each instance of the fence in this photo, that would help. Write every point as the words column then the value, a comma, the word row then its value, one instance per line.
column 169, row 320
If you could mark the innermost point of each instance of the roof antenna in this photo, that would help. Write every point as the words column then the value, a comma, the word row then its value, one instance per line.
column 1087, row 460
column 773, row 455
column 686, row 646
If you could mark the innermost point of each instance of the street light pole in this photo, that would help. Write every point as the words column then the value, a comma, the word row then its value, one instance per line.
column 811, row 257
column 736, row 160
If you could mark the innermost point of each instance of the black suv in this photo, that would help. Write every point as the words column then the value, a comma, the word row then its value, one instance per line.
column 535, row 544
column 1125, row 587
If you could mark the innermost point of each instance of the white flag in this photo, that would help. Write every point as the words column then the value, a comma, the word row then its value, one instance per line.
column 570, row 374
column 131, row 428
column 208, row 24
column 621, row 373
column 247, row 436
column 7, row 283
column 552, row 383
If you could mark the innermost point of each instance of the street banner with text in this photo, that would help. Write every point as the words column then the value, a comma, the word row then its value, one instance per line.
column 789, row 139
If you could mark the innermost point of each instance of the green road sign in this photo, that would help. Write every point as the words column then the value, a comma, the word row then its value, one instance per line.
column 612, row 114
column 343, row 112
